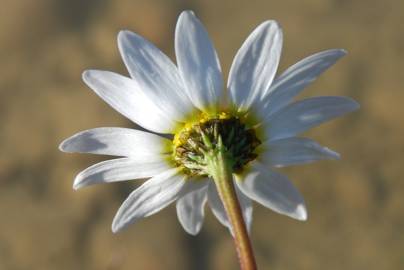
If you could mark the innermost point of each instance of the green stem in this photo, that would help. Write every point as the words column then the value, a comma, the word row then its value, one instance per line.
column 220, row 169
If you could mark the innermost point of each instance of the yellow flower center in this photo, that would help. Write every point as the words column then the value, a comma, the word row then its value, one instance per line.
column 195, row 140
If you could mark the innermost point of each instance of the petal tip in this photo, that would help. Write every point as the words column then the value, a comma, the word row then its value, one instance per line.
column 331, row 154
column 271, row 26
column 334, row 53
column 116, row 226
column 353, row 104
column 124, row 37
column 272, row 23
column 64, row 146
column 119, row 223
column 85, row 73
column 77, row 184
column 301, row 212
column 187, row 12
column 186, row 17
column 87, row 76
column 356, row 105
column 334, row 155
column 123, row 34
column 192, row 232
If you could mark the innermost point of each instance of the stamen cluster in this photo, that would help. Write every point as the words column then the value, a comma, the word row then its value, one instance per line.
column 193, row 144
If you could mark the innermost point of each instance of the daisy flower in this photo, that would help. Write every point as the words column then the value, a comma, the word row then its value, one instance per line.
column 220, row 144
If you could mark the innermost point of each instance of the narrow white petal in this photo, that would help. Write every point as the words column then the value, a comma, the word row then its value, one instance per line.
column 217, row 206
column 155, row 74
column 191, row 210
column 273, row 190
column 293, row 80
column 115, row 142
column 246, row 207
column 151, row 197
column 292, row 151
column 120, row 170
column 129, row 99
column 255, row 65
column 219, row 211
column 198, row 63
column 305, row 114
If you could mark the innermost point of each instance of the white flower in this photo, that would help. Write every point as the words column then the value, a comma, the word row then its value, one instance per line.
column 178, row 100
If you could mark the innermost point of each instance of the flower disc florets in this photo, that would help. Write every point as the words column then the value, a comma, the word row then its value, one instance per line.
column 194, row 142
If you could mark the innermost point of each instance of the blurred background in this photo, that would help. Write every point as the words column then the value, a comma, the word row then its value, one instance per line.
column 355, row 205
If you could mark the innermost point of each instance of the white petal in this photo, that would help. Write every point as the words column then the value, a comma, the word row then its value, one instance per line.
column 274, row 191
column 198, row 63
column 120, row 170
column 293, row 80
column 246, row 207
column 191, row 210
column 217, row 206
column 155, row 74
column 127, row 97
column 116, row 142
column 255, row 65
column 151, row 197
column 219, row 211
column 305, row 114
column 291, row 151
